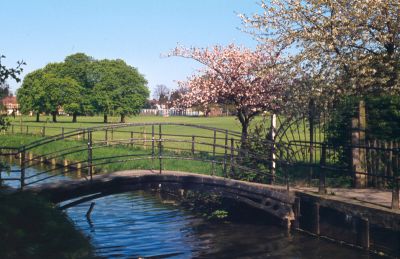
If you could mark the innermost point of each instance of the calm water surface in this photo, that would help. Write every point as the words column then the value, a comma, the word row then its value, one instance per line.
column 142, row 224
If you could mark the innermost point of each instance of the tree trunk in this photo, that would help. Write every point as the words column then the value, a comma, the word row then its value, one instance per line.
column 244, row 121
column 74, row 115
column 54, row 114
column 105, row 118
column 243, row 139
column 37, row 117
column 122, row 118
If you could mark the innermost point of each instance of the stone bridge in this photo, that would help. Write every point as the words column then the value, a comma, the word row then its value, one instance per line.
column 275, row 200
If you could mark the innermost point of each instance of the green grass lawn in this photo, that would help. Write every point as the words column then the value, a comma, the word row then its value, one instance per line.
column 298, row 131
column 26, row 124
column 228, row 122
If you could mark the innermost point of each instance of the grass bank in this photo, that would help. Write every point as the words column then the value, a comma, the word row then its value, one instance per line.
column 31, row 228
column 125, row 157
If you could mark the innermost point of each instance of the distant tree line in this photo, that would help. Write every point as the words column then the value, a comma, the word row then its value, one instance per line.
column 82, row 85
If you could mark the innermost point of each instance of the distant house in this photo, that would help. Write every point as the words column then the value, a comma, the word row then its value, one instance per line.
column 10, row 104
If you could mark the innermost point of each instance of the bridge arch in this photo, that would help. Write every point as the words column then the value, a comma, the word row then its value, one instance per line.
column 274, row 200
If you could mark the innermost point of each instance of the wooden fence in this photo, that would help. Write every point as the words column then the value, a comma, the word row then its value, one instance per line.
column 382, row 160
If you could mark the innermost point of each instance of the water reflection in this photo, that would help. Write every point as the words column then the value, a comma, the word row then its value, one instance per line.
column 140, row 224
column 33, row 174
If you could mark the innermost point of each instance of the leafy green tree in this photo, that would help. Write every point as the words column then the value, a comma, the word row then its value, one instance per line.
column 61, row 92
column 73, row 91
column 383, row 118
column 45, row 91
column 13, row 73
column 31, row 95
column 83, row 85
column 79, row 66
column 120, row 89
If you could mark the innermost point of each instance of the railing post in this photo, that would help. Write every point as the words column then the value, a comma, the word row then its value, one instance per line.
column 160, row 147
column 152, row 147
column 322, row 173
column 192, row 145
column 27, row 129
column 213, row 159
column 287, row 181
column 22, row 164
column 106, row 137
column 62, row 132
column 225, row 152
column 273, row 149
column 44, row 131
column 90, row 155
column 144, row 137
column 131, row 139
column 232, row 169
column 112, row 134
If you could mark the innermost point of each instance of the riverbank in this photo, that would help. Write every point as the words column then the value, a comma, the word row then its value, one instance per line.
column 30, row 227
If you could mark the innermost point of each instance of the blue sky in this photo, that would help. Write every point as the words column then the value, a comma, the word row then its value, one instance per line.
column 138, row 32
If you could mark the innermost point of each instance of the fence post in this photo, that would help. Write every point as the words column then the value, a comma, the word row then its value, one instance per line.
column 44, row 131
column 358, row 150
column 106, row 137
column 192, row 145
column 225, row 151
column 213, row 159
column 62, row 132
column 12, row 129
column 22, row 164
column 90, row 154
column 285, row 169
column 272, row 139
column 131, row 141
column 152, row 147
column 322, row 174
column 144, row 137
column 232, row 169
column 160, row 147
column 27, row 129
column 112, row 134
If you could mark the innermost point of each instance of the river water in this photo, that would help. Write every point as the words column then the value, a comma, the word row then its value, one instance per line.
column 142, row 224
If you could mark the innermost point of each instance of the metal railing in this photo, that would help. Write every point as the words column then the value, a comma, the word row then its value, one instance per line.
column 216, row 152
column 209, row 150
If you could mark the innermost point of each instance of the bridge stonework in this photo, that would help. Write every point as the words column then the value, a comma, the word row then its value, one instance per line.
column 275, row 200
